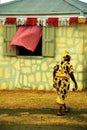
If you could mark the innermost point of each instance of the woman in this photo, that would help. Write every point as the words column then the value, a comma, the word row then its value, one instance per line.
column 62, row 73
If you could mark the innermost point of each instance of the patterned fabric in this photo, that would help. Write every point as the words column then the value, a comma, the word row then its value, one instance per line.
column 62, row 80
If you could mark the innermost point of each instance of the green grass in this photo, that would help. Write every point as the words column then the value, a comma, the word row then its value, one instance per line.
column 37, row 109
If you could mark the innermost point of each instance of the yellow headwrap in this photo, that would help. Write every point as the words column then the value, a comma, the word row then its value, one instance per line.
column 65, row 53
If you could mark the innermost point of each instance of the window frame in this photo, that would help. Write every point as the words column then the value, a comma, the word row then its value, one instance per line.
column 48, row 45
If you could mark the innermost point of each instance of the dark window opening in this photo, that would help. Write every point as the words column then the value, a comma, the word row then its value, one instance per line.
column 25, row 52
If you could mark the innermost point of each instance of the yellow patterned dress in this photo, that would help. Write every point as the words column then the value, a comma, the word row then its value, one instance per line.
column 61, row 80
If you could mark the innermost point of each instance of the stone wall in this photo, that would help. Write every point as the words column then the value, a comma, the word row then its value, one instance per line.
column 36, row 72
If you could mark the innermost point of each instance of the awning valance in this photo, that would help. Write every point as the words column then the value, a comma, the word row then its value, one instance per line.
column 73, row 20
column 44, row 21
column 31, row 21
column 28, row 37
column 52, row 21
column 10, row 20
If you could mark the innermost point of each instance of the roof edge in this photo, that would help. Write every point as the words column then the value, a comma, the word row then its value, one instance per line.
column 71, row 2
column 41, row 13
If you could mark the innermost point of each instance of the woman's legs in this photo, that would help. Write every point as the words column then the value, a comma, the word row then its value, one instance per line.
column 66, row 109
column 59, row 113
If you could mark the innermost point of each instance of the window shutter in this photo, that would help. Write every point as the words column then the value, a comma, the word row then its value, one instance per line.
column 9, row 31
column 48, row 41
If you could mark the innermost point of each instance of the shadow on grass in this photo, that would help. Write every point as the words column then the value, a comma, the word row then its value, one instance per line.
column 79, row 115
column 41, row 127
column 75, row 114
column 16, row 112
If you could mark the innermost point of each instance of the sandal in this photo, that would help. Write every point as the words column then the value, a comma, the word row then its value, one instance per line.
column 59, row 114
column 67, row 110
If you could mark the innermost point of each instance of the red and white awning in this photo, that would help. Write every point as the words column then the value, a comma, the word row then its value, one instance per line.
column 47, row 21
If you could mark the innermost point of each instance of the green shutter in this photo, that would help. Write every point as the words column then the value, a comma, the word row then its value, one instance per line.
column 48, row 41
column 9, row 32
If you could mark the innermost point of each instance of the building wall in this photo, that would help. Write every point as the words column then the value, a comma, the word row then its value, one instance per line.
column 36, row 72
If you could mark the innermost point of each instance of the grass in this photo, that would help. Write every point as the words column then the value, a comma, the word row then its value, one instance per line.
column 35, row 109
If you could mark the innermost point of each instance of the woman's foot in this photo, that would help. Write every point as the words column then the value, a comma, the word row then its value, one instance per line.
column 59, row 114
column 67, row 110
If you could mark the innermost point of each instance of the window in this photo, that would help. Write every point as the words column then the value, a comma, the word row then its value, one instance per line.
column 38, row 51
column 45, row 45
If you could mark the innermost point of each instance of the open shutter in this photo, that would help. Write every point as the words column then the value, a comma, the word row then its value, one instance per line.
column 48, row 41
column 9, row 31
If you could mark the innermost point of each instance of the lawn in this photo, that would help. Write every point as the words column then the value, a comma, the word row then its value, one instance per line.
column 30, row 110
